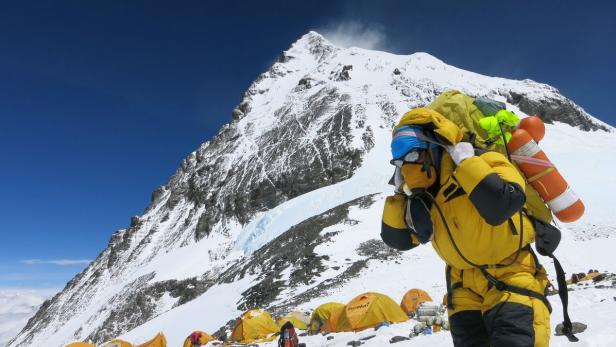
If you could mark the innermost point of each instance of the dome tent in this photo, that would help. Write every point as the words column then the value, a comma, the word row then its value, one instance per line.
column 254, row 326
column 321, row 314
column 412, row 299
column 201, row 336
column 299, row 319
column 365, row 311
column 118, row 343
column 158, row 341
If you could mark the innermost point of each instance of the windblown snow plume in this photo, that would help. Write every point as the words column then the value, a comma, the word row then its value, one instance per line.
column 282, row 209
column 355, row 34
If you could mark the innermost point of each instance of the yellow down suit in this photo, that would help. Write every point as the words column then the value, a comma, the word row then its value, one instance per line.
column 495, row 284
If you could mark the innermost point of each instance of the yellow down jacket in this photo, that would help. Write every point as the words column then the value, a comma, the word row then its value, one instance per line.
column 482, row 239
column 475, row 215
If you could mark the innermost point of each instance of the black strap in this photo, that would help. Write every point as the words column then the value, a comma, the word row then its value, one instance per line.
column 450, row 286
column 564, row 298
column 502, row 286
column 562, row 289
column 449, row 289
column 537, row 264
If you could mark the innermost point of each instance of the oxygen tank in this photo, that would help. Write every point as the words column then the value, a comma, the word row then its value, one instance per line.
column 427, row 311
column 541, row 173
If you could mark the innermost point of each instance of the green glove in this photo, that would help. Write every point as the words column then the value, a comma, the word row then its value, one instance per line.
column 508, row 118
column 492, row 125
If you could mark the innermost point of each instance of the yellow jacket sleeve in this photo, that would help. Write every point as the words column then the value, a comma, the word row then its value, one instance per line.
column 494, row 186
column 394, row 231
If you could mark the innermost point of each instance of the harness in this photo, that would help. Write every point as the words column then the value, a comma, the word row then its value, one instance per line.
column 502, row 286
column 493, row 281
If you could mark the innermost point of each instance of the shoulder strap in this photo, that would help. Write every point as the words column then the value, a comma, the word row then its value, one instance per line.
column 560, row 279
column 564, row 298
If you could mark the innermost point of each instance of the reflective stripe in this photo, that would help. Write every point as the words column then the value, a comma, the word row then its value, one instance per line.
column 398, row 179
column 529, row 149
column 564, row 200
column 405, row 133
column 531, row 160
column 539, row 175
column 408, row 219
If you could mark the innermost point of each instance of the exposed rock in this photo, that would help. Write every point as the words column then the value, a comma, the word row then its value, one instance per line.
column 576, row 328
column 134, row 308
column 377, row 249
column 554, row 108
column 343, row 74
column 398, row 339
column 225, row 329
column 157, row 194
column 134, row 221
column 294, row 249
column 304, row 83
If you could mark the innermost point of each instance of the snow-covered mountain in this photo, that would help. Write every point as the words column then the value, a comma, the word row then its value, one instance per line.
column 282, row 208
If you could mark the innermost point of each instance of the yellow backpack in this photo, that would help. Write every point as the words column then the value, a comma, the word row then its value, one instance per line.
column 464, row 111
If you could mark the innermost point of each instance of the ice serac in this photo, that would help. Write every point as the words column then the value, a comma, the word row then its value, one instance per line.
column 261, row 214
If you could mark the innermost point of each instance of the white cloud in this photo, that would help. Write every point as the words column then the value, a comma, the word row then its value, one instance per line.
column 17, row 305
column 60, row 262
column 354, row 34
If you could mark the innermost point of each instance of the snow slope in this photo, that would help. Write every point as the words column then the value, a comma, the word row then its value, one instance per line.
column 304, row 166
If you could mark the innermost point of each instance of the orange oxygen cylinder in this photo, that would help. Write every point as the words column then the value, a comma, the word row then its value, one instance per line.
column 535, row 127
column 540, row 173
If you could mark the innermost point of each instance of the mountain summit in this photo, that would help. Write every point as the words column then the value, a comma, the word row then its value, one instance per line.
column 281, row 209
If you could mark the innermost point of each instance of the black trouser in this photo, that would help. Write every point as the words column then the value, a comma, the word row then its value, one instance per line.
column 506, row 325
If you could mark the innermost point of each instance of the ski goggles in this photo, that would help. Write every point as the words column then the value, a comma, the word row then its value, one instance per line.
column 405, row 139
column 415, row 156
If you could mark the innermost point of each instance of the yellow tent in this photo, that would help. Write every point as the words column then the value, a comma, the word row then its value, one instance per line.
column 201, row 336
column 80, row 344
column 158, row 341
column 321, row 314
column 365, row 311
column 300, row 320
column 118, row 343
column 254, row 326
column 412, row 299
column 591, row 275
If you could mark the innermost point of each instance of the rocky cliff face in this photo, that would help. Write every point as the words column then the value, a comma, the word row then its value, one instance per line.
column 319, row 117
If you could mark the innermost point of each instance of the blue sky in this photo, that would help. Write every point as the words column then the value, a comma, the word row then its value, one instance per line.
column 100, row 100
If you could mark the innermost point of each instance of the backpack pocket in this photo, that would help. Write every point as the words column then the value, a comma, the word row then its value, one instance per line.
column 547, row 236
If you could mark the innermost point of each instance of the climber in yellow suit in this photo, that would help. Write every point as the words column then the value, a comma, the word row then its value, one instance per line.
column 468, row 203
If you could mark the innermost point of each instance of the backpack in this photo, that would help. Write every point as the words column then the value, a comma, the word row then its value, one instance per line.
column 466, row 113
column 288, row 336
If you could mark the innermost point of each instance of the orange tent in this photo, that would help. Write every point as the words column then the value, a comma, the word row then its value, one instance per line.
column 254, row 326
column 117, row 343
column 201, row 336
column 158, row 341
column 412, row 299
column 322, row 314
column 365, row 311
